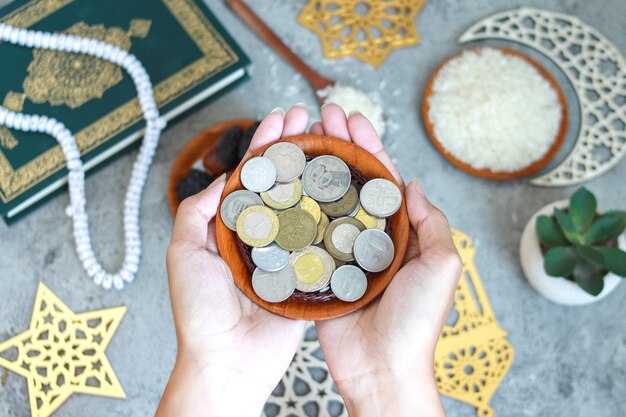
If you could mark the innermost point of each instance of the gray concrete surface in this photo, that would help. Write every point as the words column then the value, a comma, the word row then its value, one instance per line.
column 569, row 361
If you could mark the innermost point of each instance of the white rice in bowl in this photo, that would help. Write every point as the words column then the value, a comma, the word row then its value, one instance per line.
column 494, row 111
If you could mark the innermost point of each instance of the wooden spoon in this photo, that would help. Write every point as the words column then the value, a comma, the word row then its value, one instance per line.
column 317, row 81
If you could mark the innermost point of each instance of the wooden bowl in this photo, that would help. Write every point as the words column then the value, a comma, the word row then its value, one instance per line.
column 193, row 151
column 487, row 173
column 229, row 245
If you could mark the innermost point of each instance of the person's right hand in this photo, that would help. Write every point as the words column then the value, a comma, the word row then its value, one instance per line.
column 381, row 356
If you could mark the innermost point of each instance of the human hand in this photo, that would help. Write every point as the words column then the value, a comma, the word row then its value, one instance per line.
column 231, row 352
column 381, row 356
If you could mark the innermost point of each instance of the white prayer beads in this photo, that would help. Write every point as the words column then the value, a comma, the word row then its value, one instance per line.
column 77, row 208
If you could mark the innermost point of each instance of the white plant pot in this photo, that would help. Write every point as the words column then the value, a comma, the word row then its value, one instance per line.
column 558, row 290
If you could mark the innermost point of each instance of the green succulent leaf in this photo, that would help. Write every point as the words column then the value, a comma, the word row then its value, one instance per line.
column 568, row 227
column 588, row 278
column 549, row 233
column 560, row 262
column 615, row 261
column 582, row 208
column 590, row 255
column 605, row 228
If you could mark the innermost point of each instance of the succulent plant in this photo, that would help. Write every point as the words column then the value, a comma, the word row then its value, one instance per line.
column 581, row 245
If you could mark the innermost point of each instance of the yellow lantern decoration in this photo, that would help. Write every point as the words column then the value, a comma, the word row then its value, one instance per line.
column 473, row 354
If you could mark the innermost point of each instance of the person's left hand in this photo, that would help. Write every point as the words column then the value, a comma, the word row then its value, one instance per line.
column 231, row 352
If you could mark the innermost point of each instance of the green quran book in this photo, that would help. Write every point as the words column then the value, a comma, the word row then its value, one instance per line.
column 187, row 53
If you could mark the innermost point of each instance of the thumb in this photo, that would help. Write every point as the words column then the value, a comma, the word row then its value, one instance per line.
column 431, row 226
column 193, row 217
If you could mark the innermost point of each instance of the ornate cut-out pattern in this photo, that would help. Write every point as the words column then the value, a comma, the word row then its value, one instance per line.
column 472, row 356
column 306, row 388
column 63, row 353
column 596, row 69
column 366, row 29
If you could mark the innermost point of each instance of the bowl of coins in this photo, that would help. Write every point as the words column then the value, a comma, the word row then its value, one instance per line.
column 312, row 227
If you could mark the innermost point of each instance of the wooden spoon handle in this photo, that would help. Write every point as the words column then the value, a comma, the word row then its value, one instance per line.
column 271, row 39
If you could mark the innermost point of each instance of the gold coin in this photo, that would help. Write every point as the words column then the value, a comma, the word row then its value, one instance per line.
column 257, row 226
column 297, row 229
column 310, row 205
column 283, row 195
column 344, row 206
column 340, row 235
column 371, row 222
column 309, row 268
column 321, row 228
column 313, row 267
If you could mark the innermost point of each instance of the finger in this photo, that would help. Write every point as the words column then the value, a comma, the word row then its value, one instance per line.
column 268, row 131
column 193, row 217
column 317, row 129
column 432, row 228
column 334, row 121
column 296, row 120
column 363, row 134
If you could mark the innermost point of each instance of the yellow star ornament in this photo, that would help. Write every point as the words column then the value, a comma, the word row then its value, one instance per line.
column 62, row 353
column 366, row 29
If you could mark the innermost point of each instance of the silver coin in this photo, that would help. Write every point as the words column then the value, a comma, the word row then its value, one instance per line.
column 326, row 178
column 348, row 283
column 343, row 237
column 258, row 174
column 288, row 159
column 270, row 258
column 274, row 287
column 380, row 197
column 235, row 203
column 373, row 250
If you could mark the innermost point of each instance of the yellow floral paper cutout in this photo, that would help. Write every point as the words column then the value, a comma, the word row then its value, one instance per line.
column 366, row 29
column 473, row 354
column 62, row 353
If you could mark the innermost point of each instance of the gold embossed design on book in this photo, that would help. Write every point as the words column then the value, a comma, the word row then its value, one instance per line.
column 60, row 78
column 217, row 55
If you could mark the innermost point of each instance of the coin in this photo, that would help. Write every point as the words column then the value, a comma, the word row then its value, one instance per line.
column 381, row 197
column 270, row 258
column 258, row 174
column 344, row 206
column 340, row 235
column 373, row 250
column 297, row 229
column 274, row 287
column 257, row 226
column 235, row 203
column 326, row 178
column 288, row 159
column 310, row 205
column 371, row 222
column 354, row 212
column 283, row 195
column 348, row 283
column 313, row 267
column 321, row 228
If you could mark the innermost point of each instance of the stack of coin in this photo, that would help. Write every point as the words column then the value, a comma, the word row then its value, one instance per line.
column 310, row 228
